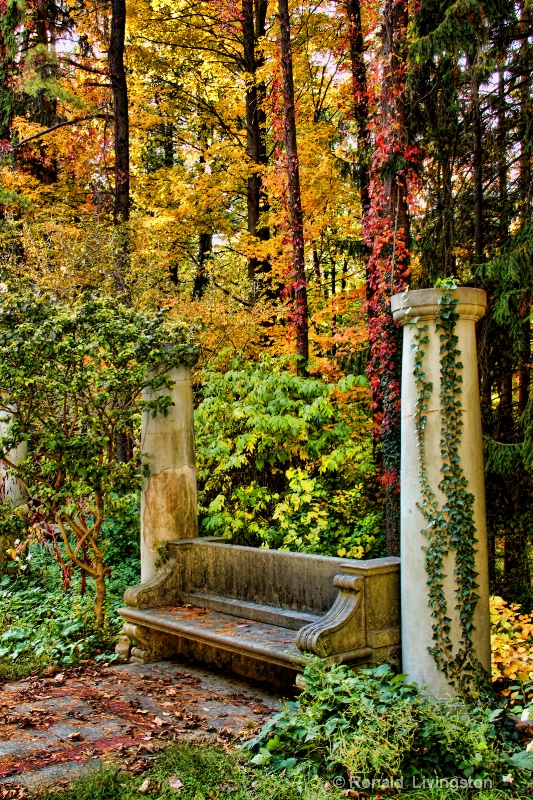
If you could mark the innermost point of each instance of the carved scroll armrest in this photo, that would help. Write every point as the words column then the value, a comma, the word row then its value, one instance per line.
column 161, row 590
column 343, row 628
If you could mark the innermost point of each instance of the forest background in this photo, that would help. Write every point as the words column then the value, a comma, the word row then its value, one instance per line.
column 265, row 175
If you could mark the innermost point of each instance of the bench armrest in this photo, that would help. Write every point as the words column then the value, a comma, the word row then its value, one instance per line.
column 343, row 628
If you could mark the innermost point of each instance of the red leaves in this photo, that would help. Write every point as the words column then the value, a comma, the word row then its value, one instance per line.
column 413, row 154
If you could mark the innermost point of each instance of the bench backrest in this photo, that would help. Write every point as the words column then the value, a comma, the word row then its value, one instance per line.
column 271, row 577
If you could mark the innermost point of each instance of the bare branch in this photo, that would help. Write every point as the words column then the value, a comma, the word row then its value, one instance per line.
column 83, row 66
column 79, row 563
column 55, row 127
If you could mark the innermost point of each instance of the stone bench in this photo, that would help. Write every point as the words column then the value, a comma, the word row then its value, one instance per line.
column 257, row 612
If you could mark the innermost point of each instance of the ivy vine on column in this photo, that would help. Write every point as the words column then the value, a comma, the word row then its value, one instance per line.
column 450, row 525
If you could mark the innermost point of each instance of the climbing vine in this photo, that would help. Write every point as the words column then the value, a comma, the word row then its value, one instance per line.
column 450, row 525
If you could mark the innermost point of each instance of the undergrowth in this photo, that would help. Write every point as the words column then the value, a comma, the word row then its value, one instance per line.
column 374, row 725
column 47, row 618
column 206, row 772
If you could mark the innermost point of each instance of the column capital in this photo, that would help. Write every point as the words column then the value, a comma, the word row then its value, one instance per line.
column 424, row 303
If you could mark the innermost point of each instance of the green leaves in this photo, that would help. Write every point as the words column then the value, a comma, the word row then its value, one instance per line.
column 372, row 724
column 521, row 760
column 71, row 383
column 271, row 450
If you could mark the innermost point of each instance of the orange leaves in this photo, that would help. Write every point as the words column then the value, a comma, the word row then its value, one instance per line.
column 512, row 643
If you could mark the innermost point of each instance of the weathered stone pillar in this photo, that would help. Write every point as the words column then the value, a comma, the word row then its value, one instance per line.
column 168, row 498
column 11, row 488
column 12, row 491
column 416, row 614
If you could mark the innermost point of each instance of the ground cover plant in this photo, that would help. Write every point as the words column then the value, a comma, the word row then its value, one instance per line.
column 375, row 725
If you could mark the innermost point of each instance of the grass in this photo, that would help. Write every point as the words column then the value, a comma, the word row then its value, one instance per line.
column 208, row 773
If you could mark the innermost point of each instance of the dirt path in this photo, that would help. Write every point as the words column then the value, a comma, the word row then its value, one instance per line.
column 53, row 728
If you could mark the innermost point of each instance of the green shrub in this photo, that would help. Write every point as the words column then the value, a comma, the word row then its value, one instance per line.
column 12, row 528
column 42, row 624
column 11, row 522
column 286, row 462
column 121, row 537
column 72, row 380
column 375, row 725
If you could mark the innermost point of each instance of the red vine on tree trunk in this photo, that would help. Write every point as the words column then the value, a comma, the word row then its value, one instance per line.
column 386, row 235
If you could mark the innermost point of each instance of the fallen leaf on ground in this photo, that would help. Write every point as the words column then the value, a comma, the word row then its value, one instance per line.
column 145, row 786
column 175, row 783
column 13, row 792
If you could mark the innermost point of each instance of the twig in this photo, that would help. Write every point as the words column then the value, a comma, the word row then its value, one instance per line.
column 61, row 125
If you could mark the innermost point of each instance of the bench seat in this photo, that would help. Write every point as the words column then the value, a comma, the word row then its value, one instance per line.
column 258, row 612
column 228, row 632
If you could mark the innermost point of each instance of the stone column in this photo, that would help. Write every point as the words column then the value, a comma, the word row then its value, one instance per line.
column 417, row 634
column 11, row 488
column 168, row 498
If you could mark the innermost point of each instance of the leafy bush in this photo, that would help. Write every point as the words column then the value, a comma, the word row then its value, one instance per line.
column 286, row 462
column 48, row 626
column 121, row 540
column 374, row 724
column 11, row 521
column 12, row 527
column 71, row 382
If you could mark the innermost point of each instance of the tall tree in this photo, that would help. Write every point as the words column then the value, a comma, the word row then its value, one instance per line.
column 387, row 237
column 360, row 97
column 253, row 20
column 300, row 314
column 10, row 19
column 117, row 74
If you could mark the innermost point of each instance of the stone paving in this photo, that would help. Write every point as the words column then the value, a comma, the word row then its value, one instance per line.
column 54, row 728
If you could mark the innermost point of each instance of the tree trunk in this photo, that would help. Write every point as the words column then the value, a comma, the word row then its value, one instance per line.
column 117, row 74
column 45, row 167
column 201, row 279
column 525, row 189
column 360, row 97
column 388, row 263
column 501, row 145
column 526, row 112
column 299, row 284
column 394, row 119
column 10, row 23
column 505, row 430
column 524, row 358
column 100, row 595
column 477, row 161
column 254, row 27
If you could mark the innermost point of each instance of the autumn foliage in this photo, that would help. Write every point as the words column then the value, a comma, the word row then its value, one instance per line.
column 273, row 185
